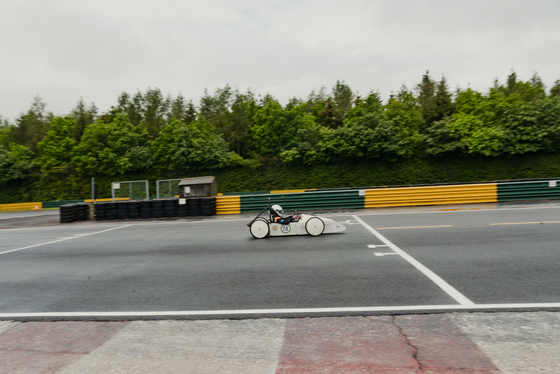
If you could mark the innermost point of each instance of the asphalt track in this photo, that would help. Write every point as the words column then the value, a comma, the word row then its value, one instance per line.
column 388, row 262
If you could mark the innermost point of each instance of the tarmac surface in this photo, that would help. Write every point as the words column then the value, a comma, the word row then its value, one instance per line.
column 461, row 342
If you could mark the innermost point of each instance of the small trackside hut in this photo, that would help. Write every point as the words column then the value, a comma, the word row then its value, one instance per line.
column 198, row 187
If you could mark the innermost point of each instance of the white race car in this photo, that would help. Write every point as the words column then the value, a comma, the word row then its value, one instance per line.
column 297, row 224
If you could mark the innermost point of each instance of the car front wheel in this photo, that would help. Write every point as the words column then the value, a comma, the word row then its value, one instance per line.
column 315, row 226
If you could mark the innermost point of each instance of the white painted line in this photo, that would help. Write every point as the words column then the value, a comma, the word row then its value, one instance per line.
column 410, row 308
column 349, row 222
column 451, row 291
column 376, row 246
column 63, row 239
column 413, row 227
column 379, row 254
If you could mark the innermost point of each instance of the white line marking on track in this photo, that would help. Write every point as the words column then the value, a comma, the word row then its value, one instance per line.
column 62, row 239
column 380, row 254
column 276, row 311
column 376, row 246
column 451, row 291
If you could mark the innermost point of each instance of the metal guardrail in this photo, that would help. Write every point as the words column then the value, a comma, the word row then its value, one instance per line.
column 21, row 206
column 538, row 190
column 436, row 195
column 305, row 200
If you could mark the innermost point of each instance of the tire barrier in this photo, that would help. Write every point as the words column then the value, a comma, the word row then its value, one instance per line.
column 68, row 213
column 157, row 209
column 194, row 207
column 100, row 211
column 170, row 208
column 182, row 209
column 74, row 212
column 208, row 206
column 122, row 210
column 146, row 209
column 133, row 210
column 82, row 212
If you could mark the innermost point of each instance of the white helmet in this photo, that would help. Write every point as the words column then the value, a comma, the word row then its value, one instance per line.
column 278, row 210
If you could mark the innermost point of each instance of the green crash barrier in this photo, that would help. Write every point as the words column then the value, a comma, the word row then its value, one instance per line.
column 305, row 200
column 58, row 204
column 538, row 190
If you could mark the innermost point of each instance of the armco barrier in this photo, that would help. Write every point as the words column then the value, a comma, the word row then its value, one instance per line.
column 305, row 200
column 21, row 206
column 228, row 205
column 436, row 195
column 58, row 204
column 537, row 190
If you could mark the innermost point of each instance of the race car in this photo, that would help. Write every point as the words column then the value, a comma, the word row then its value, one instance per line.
column 296, row 224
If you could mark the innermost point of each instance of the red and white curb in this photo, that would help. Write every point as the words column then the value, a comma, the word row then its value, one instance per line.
column 438, row 343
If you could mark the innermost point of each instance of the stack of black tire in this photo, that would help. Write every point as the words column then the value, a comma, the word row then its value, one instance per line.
column 157, row 209
column 146, row 209
column 122, row 209
column 74, row 212
column 100, row 211
column 207, row 206
column 82, row 212
column 168, row 208
column 182, row 209
column 111, row 211
column 134, row 209
column 68, row 213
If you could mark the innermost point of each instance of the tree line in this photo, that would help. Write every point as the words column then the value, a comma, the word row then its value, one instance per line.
column 171, row 137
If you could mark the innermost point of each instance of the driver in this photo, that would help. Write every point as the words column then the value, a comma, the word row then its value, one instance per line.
column 278, row 215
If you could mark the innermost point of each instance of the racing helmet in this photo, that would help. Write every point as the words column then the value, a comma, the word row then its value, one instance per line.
column 278, row 210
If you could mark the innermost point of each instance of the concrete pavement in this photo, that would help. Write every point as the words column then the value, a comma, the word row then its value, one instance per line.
column 509, row 343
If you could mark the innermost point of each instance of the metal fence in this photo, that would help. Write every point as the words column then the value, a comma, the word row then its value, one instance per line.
column 167, row 188
column 133, row 190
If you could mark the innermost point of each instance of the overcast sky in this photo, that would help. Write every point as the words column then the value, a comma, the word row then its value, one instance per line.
column 64, row 50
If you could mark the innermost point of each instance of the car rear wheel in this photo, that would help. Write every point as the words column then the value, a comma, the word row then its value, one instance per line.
column 315, row 226
column 259, row 229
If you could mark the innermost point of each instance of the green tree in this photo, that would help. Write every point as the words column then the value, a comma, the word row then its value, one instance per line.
column 155, row 110
column 241, row 119
column 133, row 107
column 276, row 129
column 405, row 112
column 532, row 126
column 32, row 126
column 426, row 99
column 443, row 102
column 15, row 163
column 84, row 117
column 55, row 150
column 112, row 148
column 194, row 146
column 474, row 129
column 555, row 90
column 343, row 99
column 216, row 109
column 478, row 137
